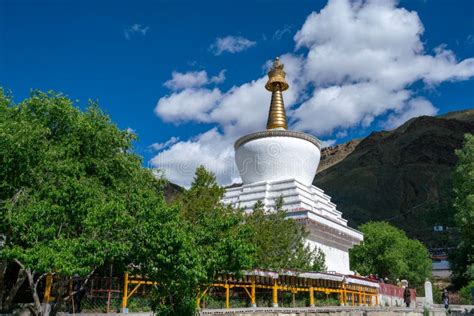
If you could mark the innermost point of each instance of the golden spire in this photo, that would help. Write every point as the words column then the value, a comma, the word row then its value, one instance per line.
column 276, row 84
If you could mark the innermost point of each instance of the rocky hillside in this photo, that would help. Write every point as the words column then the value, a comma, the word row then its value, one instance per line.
column 171, row 191
column 466, row 115
column 333, row 155
column 403, row 176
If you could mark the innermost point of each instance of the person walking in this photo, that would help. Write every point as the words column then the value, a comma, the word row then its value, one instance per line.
column 445, row 298
column 407, row 296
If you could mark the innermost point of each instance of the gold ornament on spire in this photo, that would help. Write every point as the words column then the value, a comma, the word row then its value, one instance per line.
column 276, row 84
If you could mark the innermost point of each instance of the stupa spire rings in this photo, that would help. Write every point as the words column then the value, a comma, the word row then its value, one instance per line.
column 276, row 84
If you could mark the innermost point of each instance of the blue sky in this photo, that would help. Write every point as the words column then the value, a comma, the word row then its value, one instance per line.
column 347, row 77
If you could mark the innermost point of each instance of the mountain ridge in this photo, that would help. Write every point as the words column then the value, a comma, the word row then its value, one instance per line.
column 403, row 176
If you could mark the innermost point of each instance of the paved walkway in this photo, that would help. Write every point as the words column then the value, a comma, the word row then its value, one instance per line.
column 332, row 311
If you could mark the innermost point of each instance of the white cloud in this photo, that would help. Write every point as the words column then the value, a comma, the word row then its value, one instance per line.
column 358, row 62
column 188, row 105
column 345, row 106
column 469, row 40
column 160, row 146
column 280, row 33
column 327, row 143
column 362, row 58
column 414, row 108
column 192, row 79
column 134, row 29
column 342, row 134
column 241, row 109
column 219, row 78
column 231, row 44
column 211, row 149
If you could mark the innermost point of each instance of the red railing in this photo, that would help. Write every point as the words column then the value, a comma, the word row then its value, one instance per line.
column 392, row 290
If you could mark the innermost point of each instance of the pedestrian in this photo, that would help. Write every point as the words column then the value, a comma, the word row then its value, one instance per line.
column 445, row 298
column 78, row 293
column 407, row 296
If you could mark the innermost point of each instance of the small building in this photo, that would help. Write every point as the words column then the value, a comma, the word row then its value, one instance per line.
column 440, row 267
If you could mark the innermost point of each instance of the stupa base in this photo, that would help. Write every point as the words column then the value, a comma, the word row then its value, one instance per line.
column 309, row 206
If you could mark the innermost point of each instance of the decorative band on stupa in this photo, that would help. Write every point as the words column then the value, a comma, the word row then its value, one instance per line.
column 276, row 84
column 277, row 133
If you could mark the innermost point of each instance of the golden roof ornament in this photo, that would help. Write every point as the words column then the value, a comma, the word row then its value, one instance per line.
column 276, row 84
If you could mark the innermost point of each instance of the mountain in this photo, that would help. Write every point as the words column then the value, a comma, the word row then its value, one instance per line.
column 333, row 155
column 171, row 191
column 466, row 115
column 403, row 176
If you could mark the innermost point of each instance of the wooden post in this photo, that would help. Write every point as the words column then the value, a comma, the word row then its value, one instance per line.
column 345, row 294
column 253, row 298
column 109, row 295
column 125, row 293
column 47, row 290
column 275, row 294
column 73, row 303
column 198, row 300
column 359, row 298
column 227, row 296
column 311, row 296
column 201, row 296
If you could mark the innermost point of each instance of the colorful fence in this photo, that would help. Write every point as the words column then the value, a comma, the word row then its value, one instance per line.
column 253, row 288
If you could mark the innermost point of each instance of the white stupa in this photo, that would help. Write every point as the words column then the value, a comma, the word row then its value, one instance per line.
column 278, row 162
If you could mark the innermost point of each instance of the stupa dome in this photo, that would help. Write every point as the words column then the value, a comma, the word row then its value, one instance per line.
column 277, row 153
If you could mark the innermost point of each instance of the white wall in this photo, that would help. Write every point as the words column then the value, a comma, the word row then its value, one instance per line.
column 386, row 300
column 337, row 260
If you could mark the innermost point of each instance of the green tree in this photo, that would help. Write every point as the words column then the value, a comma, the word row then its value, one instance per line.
column 465, row 294
column 217, row 243
column 462, row 259
column 388, row 252
column 218, row 229
column 280, row 241
column 165, row 252
column 72, row 193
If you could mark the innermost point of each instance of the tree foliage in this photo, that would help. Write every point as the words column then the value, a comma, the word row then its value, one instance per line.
column 74, row 198
column 465, row 294
column 219, row 230
column 388, row 252
column 165, row 252
column 216, row 242
column 462, row 260
column 280, row 241
column 72, row 193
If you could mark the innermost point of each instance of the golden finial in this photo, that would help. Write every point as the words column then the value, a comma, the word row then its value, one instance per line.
column 276, row 76
column 276, row 84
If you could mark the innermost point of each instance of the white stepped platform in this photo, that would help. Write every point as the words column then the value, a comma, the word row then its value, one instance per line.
column 309, row 206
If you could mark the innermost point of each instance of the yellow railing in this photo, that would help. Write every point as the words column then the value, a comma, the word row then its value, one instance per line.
column 348, row 294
